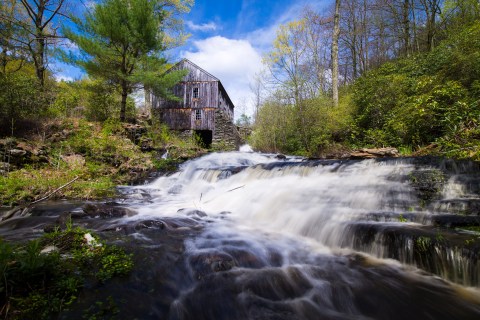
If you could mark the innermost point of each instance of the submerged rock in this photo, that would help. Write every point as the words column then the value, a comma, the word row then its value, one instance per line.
column 428, row 183
column 204, row 264
column 105, row 211
column 193, row 213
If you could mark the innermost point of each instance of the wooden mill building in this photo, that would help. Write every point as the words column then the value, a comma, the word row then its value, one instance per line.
column 204, row 109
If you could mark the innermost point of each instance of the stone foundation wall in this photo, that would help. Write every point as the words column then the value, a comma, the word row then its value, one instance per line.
column 244, row 133
column 225, row 135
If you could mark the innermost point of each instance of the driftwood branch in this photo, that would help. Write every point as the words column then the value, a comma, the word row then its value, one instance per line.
column 22, row 210
column 55, row 191
column 225, row 192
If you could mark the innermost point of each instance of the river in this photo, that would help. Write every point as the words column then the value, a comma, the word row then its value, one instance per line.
column 243, row 235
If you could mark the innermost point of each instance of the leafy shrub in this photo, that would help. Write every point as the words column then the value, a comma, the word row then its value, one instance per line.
column 21, row 99
column 39, row 285
column 432, row 97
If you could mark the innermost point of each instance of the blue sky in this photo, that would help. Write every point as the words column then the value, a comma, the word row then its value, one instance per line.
column 229, row 37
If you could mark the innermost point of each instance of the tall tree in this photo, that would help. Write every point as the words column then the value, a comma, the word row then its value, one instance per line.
column 122, row 41
column 27, row 29
column 335, row 37
column 39, row 31
column 431, row 10
column 287, row 64
column 317, row 40
column 174, row 26
column 8, row 49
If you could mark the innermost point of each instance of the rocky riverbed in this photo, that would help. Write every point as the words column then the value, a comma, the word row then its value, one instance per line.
column 250, row 236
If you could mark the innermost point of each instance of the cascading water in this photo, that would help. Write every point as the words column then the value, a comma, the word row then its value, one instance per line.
column 243, row 235
column 365, row 205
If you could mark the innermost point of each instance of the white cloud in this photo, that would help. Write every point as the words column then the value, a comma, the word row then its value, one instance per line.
column 90, row 4
column 234, row 62
column 70, row 45
column 211, row 26
column 263, row 38
column 62, row 77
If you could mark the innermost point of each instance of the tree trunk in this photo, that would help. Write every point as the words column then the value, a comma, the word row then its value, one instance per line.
column 123, row 105
column 336, row 35
column 406, row 27
column 41, row 13
column 40, row 58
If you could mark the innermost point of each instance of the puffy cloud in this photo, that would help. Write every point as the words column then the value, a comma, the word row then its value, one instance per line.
column 234, row 62
column 211, row 26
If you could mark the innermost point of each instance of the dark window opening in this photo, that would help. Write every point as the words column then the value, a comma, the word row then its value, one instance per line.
column 195, row 93
column 205, row 137
column 198, row 114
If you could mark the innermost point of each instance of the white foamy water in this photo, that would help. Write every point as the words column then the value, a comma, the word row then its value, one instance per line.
column 359, row 205
column 263, row 192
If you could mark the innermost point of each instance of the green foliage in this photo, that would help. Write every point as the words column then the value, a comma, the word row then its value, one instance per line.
column 102, row 158
column 70, row 99
column 422, row 244
column 308, row 130
column 101, row 145
column 103, row 101
column 27, row 184
column 39, row 285
column 432, row 97
column 165, row 165
column 160, row 134
column 22, row 98
column 96, row 100
column 121, row 43
column 113, row 262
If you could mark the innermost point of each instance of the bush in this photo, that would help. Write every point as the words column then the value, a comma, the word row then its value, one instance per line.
column 21, row 98
column 432, row 97
column 39, row 285
column 307, row 130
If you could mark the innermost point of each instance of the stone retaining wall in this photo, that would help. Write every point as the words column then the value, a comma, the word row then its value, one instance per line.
column 225, row 135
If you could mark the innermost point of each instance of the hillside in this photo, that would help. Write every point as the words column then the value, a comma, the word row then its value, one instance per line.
column 99, row 156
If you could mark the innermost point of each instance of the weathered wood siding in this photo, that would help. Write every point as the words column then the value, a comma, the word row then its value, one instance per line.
column 177, row 119
column 225, row 104
column 194, row 72
column 182, row 114
column 207, row 121
column 186, row 118
column 178, row 90
column 207, row 94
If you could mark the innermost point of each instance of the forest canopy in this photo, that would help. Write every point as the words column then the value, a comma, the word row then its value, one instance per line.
column 408, row 78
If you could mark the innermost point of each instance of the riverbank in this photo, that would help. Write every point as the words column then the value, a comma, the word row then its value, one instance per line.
column 94, row 157
column 398, row 231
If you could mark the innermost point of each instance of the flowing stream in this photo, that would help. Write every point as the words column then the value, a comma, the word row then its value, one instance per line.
column 243, row 235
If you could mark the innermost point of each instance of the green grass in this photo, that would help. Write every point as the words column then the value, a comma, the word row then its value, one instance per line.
column 99, row 154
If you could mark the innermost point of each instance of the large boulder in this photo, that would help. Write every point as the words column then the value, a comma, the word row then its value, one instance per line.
column 17, row 153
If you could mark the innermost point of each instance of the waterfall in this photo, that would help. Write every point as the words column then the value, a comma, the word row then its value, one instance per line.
column 369, row 205
column 242, row 235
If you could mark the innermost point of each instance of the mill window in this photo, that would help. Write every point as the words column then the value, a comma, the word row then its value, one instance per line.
column 198, row 114
column 195, row 93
